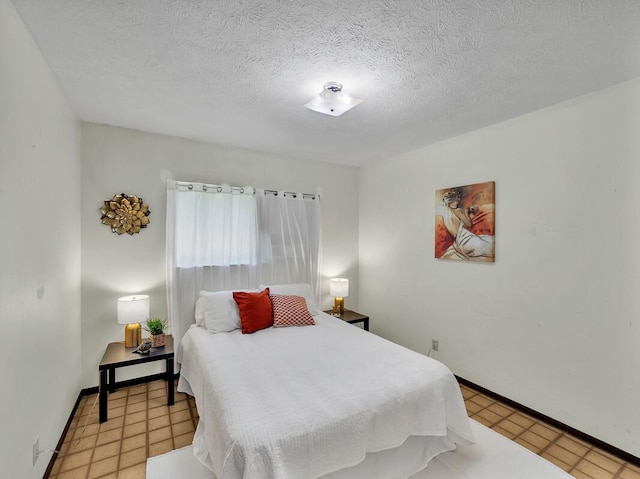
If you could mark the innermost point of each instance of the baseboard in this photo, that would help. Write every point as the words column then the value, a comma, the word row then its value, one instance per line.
column 625, row 456
column 88, row 392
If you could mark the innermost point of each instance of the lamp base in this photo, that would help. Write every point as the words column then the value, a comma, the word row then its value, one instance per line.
column 338, row 305
column 132, row 335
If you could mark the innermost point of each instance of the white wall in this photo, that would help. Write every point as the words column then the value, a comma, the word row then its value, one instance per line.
column 116, row 160
column 555, row 323
column 39, row 252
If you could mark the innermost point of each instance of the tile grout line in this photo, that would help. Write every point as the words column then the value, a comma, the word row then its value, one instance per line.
column 122, row 433
column 93, row 449
column 173, row 442
column 583, row 458
column 620, row 470
column 147, row 432
column 580, row 458
column 124, row 420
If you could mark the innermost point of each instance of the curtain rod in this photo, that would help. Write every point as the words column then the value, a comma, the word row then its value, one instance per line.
column 241, row 190
column 216, row 188
column 295, row 195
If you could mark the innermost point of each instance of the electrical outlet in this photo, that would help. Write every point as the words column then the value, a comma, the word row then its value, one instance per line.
column 434, row 344
column 36, row 450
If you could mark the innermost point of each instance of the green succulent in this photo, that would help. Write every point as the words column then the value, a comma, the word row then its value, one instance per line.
column 155, row 326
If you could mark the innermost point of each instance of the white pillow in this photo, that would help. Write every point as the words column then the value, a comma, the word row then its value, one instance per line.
column 295, row 289
column 217, row 311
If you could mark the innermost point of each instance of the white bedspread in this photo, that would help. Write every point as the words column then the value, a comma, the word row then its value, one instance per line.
column 302, row 402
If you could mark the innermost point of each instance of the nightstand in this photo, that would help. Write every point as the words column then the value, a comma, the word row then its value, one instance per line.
column 117, row 356
column 352, row 317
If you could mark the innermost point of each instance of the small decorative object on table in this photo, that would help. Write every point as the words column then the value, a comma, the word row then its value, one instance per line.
column 144, row 348
column 156, row 327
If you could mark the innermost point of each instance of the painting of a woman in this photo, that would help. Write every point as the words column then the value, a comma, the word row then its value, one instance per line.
column 465, row 223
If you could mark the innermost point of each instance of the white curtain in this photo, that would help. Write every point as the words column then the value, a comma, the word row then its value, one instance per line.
column 223, row 238
column 216, row 228
column 289, row 235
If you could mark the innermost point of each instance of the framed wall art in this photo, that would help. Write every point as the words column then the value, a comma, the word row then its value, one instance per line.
column 465, row 223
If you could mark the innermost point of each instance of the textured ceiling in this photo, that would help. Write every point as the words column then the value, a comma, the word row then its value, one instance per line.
column 238, row 72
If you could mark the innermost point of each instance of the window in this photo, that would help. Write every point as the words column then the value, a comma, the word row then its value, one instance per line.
column 214, row 229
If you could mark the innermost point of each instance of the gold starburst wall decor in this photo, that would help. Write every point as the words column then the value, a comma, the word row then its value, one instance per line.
column 125, row 214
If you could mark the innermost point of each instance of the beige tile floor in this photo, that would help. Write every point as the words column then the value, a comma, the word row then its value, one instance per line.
column 141, row 425
column 581, row 460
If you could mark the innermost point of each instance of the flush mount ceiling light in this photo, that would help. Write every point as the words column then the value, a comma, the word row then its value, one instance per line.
column 332, row 100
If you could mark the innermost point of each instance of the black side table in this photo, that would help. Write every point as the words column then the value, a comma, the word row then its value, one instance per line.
column 352, row 317
column 117, row 356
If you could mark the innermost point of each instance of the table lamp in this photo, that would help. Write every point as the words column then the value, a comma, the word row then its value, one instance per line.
column 339, row 288
column 132, row 310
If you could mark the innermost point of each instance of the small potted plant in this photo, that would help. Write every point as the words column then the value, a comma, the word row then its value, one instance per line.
column 156, row 327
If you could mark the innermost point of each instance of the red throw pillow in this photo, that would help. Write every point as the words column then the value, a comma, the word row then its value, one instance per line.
column 290, row 311
column 255, row 310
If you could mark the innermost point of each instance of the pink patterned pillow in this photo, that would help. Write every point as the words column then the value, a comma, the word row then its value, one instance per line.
column 290, row 311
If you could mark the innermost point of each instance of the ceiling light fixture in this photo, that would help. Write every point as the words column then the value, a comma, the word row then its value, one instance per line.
column 332, row 100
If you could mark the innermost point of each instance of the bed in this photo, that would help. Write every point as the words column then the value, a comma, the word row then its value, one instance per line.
column 326, row 401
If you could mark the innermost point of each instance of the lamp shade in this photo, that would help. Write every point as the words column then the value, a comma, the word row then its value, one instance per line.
column 339, row 287
column 133, row 309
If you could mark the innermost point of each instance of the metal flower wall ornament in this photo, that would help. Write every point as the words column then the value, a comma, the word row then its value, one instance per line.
column 125, row 214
